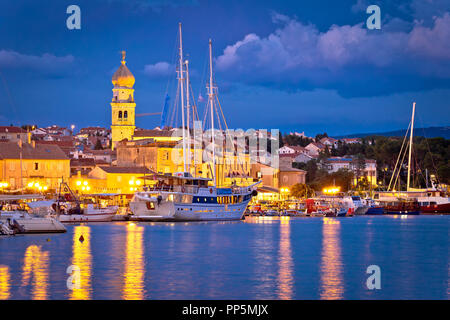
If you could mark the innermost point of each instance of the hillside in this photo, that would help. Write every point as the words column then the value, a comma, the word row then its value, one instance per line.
column 430, row 132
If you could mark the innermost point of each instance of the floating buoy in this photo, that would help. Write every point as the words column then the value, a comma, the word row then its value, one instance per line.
column 48, row 240
column 81, row 239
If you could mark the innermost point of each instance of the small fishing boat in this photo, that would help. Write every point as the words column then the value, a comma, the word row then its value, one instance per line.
column 68, row 208
column 88, row 214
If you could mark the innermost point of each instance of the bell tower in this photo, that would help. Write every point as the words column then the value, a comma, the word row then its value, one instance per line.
column 122, row 104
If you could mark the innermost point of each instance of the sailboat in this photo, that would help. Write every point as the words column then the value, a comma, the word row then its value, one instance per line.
column 413, row 200
column 181, row 196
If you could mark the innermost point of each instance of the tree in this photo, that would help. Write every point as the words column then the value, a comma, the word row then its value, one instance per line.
column 319, row 136
column 301, row 190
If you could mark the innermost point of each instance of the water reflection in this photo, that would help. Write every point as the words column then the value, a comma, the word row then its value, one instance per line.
column 82, row 259
column 331, row 273
column 133, row 288
column 35, row 266
column 262, row 219
column 4, row 282
column 285, row 263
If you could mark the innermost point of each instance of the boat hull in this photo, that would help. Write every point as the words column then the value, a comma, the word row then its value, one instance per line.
column 101, row 217
column 192, row 212
column 374, row 211
column 436, row 209
column 152, row 209
column 391, row 212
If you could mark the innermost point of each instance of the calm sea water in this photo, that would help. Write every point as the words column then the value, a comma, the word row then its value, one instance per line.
column 260, row 258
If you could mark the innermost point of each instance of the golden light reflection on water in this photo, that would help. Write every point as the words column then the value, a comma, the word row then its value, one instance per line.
column 35, row 265
column 331, row 271
column 5, row 285
column 82, row 259
column 262, row 219
column 285, row 264
column 133, row 288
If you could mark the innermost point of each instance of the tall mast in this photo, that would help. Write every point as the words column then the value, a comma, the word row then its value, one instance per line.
column 188, row 85
column 211, row 102
column 181, row 79
column 410, row 147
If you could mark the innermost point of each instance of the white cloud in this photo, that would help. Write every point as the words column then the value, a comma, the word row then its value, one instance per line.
column 159, row 70
column 46, row 63
column 299, row 54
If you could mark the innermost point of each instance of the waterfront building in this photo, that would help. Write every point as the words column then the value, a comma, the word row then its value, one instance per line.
column 294, row 150
column 25, row 165
column 276, row 183
column 368, row 169
column 81, row 166
column 303, row 158
column 111, row 179
column 67, row 146
column 314, row 148
column 290, row 176
column 13, row 134
column 351, row 140
column 166, row 157
column 166, row 135
column 330, row 142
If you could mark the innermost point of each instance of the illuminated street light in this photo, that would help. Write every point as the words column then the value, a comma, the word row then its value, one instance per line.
column 332, row 190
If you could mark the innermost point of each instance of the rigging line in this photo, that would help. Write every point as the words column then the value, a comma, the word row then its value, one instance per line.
column 420, row 171
column 175, row 108
column 399, row 154
column 428, row 147
column 203, row 83
column 400, row 168
column 226, row 125
column 203, row 77
column 173, row 58
column 194, row 105
column 218, row 119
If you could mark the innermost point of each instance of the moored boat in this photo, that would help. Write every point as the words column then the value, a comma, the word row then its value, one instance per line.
column 403, row 207
column 181, row 197
column 69, row 208
column 375, row 210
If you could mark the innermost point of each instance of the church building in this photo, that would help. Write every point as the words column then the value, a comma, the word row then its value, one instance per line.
column 122, row 105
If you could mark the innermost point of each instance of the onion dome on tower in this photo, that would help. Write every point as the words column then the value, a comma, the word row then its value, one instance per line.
column 123, row 77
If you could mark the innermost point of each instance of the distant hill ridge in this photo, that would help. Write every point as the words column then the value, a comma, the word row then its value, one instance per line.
column 430, row 132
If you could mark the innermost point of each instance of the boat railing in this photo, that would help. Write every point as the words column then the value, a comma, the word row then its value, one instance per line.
column 186, row 189
column 183, row 189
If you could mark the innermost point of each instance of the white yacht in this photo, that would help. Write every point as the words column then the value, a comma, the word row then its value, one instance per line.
column 181, row 197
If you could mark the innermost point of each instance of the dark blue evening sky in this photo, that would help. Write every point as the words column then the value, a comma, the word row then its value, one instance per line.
column 308, row 66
